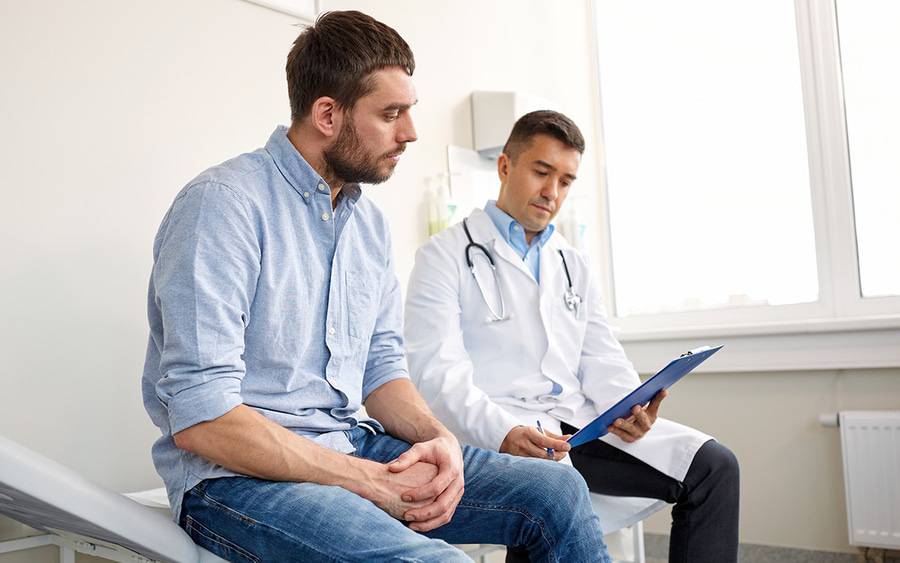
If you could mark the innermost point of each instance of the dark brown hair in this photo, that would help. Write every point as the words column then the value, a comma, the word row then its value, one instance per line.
column 543, row 122
column 336, row 56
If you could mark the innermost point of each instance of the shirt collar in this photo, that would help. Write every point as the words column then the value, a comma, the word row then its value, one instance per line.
column 510, row 228
column 298, row 172
column 350, row 194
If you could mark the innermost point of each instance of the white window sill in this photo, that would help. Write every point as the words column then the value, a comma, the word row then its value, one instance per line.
column 818, row 344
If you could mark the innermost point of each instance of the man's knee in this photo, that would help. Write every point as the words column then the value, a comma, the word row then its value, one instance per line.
column 569, row 479
column 559, row 488
column 719, row 462
column 725, row 461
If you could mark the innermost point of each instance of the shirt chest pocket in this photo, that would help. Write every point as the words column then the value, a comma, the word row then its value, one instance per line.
column 361, row 291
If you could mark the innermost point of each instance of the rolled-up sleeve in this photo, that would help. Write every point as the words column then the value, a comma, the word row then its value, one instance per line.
column 386, row 359
column 203, row 282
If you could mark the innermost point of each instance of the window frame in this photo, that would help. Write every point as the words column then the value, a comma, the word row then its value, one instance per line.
column 842, row 329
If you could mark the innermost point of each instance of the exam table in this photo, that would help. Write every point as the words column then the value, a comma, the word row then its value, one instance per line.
column 79, row 516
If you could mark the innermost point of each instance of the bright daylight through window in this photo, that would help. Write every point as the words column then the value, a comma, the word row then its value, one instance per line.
column 706, row 156
column 870, row 49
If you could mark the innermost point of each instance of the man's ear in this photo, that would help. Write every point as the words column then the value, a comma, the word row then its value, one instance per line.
column 325, row 116
column 503, row 164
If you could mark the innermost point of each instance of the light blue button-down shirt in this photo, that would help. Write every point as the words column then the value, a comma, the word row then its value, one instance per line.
column 514, row 235
column 261, row 295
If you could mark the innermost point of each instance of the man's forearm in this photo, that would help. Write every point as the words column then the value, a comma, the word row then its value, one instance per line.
column 248, row 443
column 404, row 414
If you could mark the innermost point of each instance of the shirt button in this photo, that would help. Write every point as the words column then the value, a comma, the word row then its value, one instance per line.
column 306, row 194
column 331, row 330
column 326, row 216
column 515, row 227
column 321, row 187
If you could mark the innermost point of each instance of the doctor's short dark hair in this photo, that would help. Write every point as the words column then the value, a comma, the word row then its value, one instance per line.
column 336, row 57
column 543, row 122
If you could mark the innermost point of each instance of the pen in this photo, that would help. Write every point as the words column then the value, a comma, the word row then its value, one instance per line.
column 541, row 430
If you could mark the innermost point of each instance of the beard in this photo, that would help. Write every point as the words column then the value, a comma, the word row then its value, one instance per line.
column 348, row 160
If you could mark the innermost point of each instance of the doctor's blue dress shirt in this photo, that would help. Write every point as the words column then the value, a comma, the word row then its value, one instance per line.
column 261, row 295
column 514, row 235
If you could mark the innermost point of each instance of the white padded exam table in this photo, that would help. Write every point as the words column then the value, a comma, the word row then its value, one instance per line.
column 78, row 515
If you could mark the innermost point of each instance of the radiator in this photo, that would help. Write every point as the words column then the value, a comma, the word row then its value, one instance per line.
column 870, row 442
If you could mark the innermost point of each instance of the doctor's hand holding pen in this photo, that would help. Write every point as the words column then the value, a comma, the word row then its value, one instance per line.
column 529, row 441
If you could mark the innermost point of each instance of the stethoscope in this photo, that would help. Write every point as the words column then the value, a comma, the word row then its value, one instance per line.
column 571, row 299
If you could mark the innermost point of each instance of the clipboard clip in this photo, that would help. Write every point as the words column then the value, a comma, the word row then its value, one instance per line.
column 695, row 351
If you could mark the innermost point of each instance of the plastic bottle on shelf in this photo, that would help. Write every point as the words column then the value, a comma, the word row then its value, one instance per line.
column 440, row 205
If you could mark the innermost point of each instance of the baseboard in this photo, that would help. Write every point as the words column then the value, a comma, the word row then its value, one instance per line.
column 657, row 547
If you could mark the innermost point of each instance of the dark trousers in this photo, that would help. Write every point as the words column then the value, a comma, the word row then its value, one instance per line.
column 705, row 515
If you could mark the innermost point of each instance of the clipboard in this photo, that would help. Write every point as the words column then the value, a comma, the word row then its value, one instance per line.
column 664, row 378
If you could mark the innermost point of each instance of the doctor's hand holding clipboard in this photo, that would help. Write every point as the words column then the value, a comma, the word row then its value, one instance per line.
column 650, row 393
column 629, row 419
column 641, row 420
column 534, row 441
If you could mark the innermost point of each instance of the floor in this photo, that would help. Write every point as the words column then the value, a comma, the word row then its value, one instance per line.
column 656, row 546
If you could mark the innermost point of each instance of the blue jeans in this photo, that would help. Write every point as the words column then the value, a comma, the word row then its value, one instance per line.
column 536, row 504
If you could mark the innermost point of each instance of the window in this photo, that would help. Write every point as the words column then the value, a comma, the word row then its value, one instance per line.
column 686, row 129
column 870, row 48
column 728, row 151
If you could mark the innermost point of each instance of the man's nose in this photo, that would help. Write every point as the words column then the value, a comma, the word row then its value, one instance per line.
column 550, row 189
column 407, row 130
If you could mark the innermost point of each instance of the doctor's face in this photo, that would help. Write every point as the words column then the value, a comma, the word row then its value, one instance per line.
column 534, row 184
column 375, row 132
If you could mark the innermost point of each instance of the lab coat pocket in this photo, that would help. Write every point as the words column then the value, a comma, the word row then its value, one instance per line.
column 569, row 327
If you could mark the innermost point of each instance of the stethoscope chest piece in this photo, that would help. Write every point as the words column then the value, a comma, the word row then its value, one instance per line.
column 572, row 299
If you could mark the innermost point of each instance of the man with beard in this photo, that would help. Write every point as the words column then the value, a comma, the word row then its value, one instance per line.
column 275, row 314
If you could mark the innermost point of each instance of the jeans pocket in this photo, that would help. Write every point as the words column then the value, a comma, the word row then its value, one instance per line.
column 213, row 542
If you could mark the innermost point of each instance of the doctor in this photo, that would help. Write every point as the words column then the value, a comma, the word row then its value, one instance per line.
column 505, row 327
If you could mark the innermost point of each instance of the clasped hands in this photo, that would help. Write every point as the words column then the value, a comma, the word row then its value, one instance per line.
column 424, row 485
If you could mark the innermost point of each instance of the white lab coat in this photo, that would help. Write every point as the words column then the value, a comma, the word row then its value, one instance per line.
column 482, row 378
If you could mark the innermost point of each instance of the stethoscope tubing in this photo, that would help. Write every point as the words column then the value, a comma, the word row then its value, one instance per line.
column 571, row 298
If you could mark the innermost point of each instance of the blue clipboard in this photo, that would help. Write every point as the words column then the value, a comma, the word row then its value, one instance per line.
column 664, row 378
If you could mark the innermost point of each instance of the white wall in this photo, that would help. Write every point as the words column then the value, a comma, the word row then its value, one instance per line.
column 108, row 108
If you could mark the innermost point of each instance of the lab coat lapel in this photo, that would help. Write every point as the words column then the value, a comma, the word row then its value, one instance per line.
column 549, row 288
column 552, row 275
column 502, row 250
column 486, row 231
